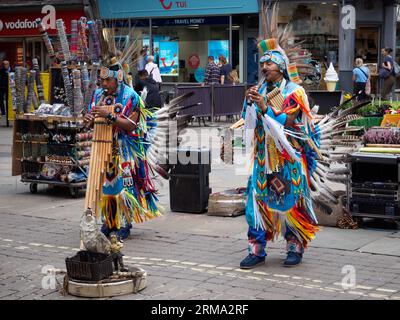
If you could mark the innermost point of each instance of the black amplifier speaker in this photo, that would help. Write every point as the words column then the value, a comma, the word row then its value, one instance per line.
column 374, row 185
column 189, row 181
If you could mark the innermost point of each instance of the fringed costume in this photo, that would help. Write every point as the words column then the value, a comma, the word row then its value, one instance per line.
column 279, row 199
column 291, row 159
column 129, row 194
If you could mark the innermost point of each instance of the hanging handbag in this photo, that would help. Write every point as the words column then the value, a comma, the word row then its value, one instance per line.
column 368, row 87
column 367, row 84
column 383, row 73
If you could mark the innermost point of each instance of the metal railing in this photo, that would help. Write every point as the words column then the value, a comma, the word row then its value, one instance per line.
column 227, row 100
column 216, row 100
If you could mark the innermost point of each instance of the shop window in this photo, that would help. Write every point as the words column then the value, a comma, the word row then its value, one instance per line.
column 182, row 50
column 317, row 25
column 11, row 51
column 181, row 46
column 367, row 43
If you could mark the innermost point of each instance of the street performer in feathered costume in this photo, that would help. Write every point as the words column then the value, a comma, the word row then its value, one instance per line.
column 284, row 141
column 128, row 192
column 293, row 153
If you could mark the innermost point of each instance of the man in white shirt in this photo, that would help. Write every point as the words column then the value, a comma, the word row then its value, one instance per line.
column 153, row 69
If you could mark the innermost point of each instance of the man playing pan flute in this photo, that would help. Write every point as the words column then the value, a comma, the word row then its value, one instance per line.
column 279, row 200
column 128, row 192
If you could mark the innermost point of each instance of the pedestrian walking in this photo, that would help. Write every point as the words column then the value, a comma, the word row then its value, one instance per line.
column 361, row 77
column 386, row 72
column 5, row 69
column 226, row 68
column 153, row 69
column 152, row 98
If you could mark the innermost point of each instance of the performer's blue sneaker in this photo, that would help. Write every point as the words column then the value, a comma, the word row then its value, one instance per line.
column 292, row 259
column 251, row 261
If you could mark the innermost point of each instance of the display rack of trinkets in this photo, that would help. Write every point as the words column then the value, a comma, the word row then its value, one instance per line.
column 52, row 145
column 51, row 150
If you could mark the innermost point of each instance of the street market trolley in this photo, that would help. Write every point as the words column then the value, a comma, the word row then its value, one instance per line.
column 51, row 145
column 52, row 150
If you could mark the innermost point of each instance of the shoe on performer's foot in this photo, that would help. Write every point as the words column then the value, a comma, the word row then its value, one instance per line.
column 292, row 259
column 251, row 261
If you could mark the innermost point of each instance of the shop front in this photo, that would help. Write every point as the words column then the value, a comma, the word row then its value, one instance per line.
column 338, row 32
column 20, row 40
column 182, row 34
column 188, row 31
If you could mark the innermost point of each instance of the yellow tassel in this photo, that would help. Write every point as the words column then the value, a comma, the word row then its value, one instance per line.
column 273, row 155
column 278, row 224
column 305, row 234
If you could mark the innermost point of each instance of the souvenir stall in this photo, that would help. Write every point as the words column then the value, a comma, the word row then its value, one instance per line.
column 51, row 145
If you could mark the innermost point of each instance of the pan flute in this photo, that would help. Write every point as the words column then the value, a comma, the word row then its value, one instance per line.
column 275, row 99
column 100, row 157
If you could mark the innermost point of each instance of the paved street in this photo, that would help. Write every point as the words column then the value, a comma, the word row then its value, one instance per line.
column 188, row 256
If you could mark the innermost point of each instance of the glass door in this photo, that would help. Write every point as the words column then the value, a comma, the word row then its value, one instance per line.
column 252, row 58
column 367, row 43
column 11, row 49
column 368, row 48
column 34, row 49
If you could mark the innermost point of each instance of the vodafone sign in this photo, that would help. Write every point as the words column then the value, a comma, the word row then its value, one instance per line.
column 11, row 25
column 24, row 24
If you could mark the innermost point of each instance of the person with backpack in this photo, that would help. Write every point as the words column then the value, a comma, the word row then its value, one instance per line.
column 387, row 73
column 152, row 97
column 361, row 77
column 153, row 70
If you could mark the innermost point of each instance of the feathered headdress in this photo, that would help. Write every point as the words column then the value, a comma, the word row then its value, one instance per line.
column 272, row 51
column 116, row 61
